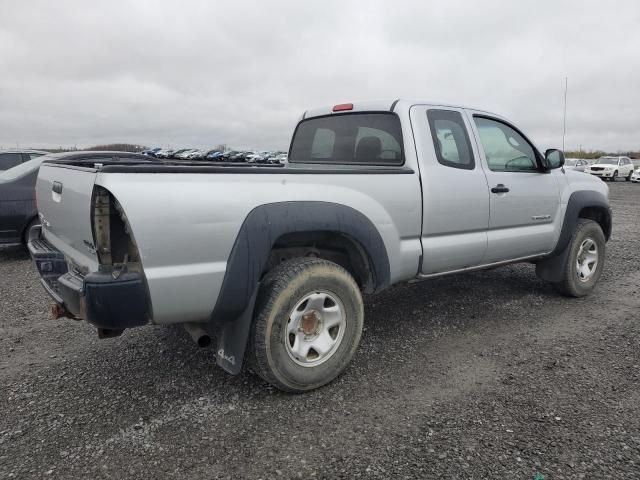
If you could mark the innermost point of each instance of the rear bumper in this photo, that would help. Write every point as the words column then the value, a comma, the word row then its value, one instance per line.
column 103, row 299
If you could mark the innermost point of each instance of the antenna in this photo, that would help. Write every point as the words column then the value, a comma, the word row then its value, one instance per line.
column 564, row 118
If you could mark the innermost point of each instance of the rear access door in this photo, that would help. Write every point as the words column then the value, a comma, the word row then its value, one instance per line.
column 455, row 193
column 64, row 196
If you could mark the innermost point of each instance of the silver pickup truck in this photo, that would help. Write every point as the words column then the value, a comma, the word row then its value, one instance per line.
column 272, row 260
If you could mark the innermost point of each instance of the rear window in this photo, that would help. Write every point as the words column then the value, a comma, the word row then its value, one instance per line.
column 352, row 139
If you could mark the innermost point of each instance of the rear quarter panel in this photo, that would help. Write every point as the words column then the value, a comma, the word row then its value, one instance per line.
column 185, row 224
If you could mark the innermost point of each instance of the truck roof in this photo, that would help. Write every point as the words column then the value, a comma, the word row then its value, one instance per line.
column 383, row 105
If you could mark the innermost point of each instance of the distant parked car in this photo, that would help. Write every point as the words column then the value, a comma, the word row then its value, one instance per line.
column 635, row 176
column 151, row 152
column 226, row 156
column 164, row 153
column 576, row 164
column 179, row 154
column 256, row 158
column 281, row 158
column 215, row 155
column 11, row 158
column 195, row 155
column 611, row 168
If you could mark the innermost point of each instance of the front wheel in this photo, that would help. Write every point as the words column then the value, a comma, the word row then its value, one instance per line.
column 307, row 326
column 585, row 261
column 614, row 177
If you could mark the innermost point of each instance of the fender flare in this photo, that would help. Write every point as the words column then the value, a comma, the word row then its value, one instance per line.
column 233, row 313
column 552, row 267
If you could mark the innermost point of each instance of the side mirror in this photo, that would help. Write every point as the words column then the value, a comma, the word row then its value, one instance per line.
column 554, row 158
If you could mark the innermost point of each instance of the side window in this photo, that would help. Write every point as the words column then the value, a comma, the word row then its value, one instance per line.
column 9, row 160
column 450, row 139
column 505, row 149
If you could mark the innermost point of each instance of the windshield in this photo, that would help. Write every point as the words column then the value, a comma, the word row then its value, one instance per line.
column 20, row 170
column 607, row 161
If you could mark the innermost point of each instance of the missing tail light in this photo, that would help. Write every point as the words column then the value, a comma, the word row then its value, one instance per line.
column 114, row 242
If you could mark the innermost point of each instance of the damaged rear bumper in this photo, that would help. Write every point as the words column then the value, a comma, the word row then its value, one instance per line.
column 109, row 302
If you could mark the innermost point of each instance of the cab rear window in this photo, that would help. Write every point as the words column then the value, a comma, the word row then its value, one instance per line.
column 349, row 139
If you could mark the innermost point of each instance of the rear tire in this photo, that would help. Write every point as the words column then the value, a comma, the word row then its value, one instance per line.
column 585, row 262
column 628, row 177
column 305, row 304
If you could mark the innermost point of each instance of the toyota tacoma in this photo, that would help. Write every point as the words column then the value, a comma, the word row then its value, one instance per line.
column 271, row 261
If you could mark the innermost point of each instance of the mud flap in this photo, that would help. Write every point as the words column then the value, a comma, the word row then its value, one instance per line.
column 232, row 336
column 552, row 269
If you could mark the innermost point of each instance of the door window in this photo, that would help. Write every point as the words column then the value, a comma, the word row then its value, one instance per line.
column 450, row 139
column 504, row 148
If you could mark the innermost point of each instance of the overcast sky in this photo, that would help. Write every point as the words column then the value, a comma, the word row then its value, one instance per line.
column 206, row 72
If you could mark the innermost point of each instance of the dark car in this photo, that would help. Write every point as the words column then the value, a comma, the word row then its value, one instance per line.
column 18, row 211
column 240, row 157
column 226, row 156
column 151, row 152
column 214, row 155
column 11, row 158
column 17, row 200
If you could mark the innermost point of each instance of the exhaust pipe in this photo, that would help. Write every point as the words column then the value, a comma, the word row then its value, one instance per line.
column 198, row 334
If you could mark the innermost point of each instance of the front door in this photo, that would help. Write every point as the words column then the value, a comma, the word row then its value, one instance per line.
column 524, row 199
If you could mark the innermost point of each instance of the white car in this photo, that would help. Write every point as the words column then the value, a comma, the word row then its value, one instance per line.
column 611, row 168
column 635, row 177
column 576, row 164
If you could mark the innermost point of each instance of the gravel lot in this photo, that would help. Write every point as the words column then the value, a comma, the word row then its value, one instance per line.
column 487, row 375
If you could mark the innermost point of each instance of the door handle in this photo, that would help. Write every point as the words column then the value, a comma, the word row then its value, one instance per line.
column 500, row 188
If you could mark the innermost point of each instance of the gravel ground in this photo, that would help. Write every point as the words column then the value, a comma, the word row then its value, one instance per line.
column 486, row 375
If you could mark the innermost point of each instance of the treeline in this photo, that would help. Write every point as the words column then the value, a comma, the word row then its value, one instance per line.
column 119, row 147
column 591, row 154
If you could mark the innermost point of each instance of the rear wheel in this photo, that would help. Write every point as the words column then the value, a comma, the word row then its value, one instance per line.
column 308, row 323
column 628, row 177
column 585, row 262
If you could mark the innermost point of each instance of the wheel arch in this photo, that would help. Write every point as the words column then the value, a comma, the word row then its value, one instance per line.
column 583, row 204
column 316, row 227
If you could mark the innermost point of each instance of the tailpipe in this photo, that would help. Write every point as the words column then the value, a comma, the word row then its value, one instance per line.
column 198, row 334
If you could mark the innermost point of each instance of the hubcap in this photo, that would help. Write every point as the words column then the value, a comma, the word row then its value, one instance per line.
column 315, row 328
column 587, row 260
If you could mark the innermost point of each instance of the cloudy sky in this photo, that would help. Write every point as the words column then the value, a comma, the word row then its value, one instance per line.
column 241, row 72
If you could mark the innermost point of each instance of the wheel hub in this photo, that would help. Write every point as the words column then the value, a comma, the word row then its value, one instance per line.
column 587, row 260
column 310, row 323
column 315, row 328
